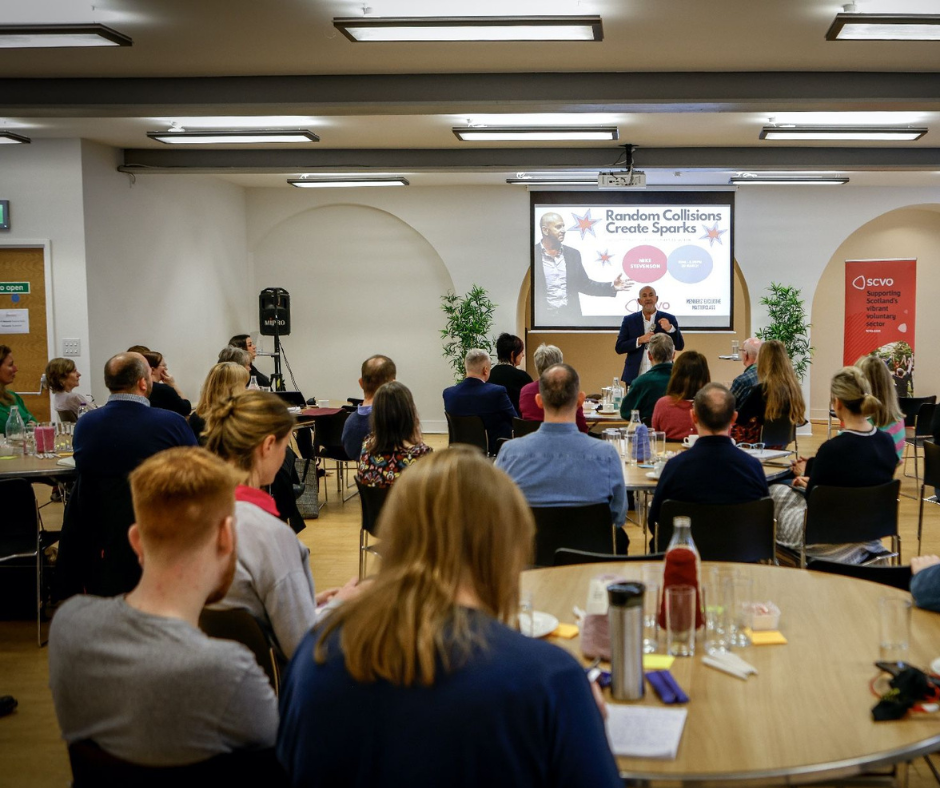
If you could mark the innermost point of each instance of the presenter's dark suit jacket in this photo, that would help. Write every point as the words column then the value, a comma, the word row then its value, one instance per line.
column 630, row 330
column 576, row 281
column 473, row 397
column 110, row 442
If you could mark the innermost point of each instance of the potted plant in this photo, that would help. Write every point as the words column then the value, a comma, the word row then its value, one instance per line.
column 788, row 324
column 469, row 319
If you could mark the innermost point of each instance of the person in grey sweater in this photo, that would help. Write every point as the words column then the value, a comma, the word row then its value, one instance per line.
column 134, row 674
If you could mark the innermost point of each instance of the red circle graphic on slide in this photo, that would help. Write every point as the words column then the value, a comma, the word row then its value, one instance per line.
column 644, row 264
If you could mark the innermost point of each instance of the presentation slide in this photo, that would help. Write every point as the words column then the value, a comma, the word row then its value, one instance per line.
column 594, row 252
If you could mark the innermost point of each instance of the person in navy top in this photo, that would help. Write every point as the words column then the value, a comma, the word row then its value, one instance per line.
column 423, row 679
column 638, row 329
column 474, row 396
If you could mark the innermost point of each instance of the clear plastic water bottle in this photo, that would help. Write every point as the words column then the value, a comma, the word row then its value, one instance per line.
column 630, row 436
column 617, row 393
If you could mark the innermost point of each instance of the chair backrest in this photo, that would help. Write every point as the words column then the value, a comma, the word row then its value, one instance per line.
column 467, row 429
column 20, row 515
column 522, row 427
column 579, row 527
column 372, row 500
column 743, row 532
column 844, row 515
column 67, row 416
column 923, row 423
column 931, row 464
column 565, row 556
column 911, row 405
column 894, row 576
column 328, row 435
column 239, row 625
column 303, row 435
column 778, row 432
column 92, row 767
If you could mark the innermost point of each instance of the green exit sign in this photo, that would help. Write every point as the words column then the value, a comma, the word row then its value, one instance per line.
column 20, row 288
column 4, row 214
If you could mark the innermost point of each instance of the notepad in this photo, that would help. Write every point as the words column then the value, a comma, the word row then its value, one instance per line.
column 766, row 638
column 645, row 731
column 657, row 661
column 565, row 631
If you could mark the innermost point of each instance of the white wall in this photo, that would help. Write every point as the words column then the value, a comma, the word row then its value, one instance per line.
column 166, row 266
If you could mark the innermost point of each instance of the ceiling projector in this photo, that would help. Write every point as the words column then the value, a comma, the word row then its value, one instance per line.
column 633, row 179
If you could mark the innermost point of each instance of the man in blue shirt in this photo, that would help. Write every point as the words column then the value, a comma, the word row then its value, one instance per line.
column 376, row 371
column 559, row 466
column 475, row 396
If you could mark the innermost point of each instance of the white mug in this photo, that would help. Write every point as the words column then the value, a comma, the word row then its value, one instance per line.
column 689, row 441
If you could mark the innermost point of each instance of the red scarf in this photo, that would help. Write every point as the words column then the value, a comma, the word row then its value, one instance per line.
column 257, row 497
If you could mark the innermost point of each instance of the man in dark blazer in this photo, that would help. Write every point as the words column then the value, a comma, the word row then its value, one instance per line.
column 475, row 397
column 638, row 329
column 556, row 285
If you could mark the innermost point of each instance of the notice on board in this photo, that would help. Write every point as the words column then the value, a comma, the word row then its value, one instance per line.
column 14, row 321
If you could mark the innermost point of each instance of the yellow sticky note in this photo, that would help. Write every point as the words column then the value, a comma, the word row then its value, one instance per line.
column 657, row 661
column 565, row 631
column 767, row 638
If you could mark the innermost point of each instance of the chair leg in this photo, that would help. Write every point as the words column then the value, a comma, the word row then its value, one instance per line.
column 920, row 518
column 363, row 548
column 933, row 769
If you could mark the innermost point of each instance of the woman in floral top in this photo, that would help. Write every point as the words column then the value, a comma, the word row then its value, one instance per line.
column 395, row 441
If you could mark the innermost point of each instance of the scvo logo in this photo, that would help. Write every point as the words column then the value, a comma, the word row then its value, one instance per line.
column 860, row 282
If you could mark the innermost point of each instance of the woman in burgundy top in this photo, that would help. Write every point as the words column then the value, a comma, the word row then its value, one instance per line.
column 673, row 412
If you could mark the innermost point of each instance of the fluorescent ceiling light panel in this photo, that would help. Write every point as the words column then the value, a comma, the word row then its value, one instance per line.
column 845, row 133
column 471, row 28
column 346, row 182
column 885, row 27
column 536, row 133
column 783, row 180
column 553, row 181
column 233, row 136
column 9, row 138
column 37, row 36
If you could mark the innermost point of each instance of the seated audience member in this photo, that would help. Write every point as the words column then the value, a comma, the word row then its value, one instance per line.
column 673, row 412
column 237, row 356
column 63, row 377
column 272, row 580
column 557, row 465
column 10, row 399
column 110, row 442
column 430, row 652
column 376, row 371
column 713, row 470
column 860, row 456
column 545, row 356
column 742, row 385
column 223, row 381
column 395, row 442
column 925, row 584
column 647, row 389
column 139, row 349
column 510, row 352
column 474, row 396
column 888, row 417
column 134, row 673
column 165, row 393
column 243, row 342
column 777, row 395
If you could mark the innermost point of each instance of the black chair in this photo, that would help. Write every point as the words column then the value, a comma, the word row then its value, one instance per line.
column 910, row 407
column 67, row 416
column 92, row 767
column 579, row 527
column 846, row 515
column 372, row 499
column 923, row 431
column 467, row 429
column 22, row 536
column 931, row 479
column 328, row 442
column 779, row 432
column 565, row 556
column 742, row 532
column 521, row 427
column 894, row 576
column 239, row 625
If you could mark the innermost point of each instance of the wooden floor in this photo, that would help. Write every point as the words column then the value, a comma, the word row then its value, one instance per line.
column 31, row 752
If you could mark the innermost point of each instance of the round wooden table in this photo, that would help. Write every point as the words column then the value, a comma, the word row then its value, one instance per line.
column 806, row 716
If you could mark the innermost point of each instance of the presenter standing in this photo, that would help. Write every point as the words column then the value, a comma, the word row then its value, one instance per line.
column 560, row 275
column 638, row 329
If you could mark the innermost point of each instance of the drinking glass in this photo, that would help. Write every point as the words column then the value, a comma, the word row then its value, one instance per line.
column 652, row 601
column 717, row 611
column 63, row 438
column 738, row 593
column 680, row 621
column 29, row 441
column 526, row 614
column 45, row 439
column 607, row 398
column 895, row 628
column 734, row 347
column 658, row 444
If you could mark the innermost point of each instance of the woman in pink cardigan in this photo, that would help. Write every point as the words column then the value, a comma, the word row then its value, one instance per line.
column 673, row 412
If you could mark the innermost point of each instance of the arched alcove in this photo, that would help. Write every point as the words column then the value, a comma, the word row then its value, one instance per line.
column 362, row 281
column 911, row 232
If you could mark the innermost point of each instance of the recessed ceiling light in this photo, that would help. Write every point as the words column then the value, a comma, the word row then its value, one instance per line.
column 871, row 133
column 9, row 138
column 785, row 180
column 472, row 28
column 35, row 36
column 536, row 133
column 343, row 181
column 884, row 27
column 233, row 136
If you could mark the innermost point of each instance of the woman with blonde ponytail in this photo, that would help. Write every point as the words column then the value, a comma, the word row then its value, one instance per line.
column 250, row 431
column 426, row 666
column 887, row 416
column 860, row 456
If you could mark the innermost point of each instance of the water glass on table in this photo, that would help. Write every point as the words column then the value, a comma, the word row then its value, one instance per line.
column 738, row 596
column 658, row 444
column 895, row 617
column 680, row 621
column 652, row 603
column 45, row 439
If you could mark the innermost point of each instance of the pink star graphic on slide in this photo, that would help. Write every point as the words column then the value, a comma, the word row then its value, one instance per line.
column 604, row 257
column 712, row 234
column 584, row 224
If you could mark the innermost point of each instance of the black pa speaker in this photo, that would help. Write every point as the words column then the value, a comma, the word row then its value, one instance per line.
column 274, row 311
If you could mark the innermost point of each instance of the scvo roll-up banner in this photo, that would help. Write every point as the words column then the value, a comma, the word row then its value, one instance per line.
column 879, row 316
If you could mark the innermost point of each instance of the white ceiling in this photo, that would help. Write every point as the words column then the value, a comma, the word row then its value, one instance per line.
column 646, row 78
